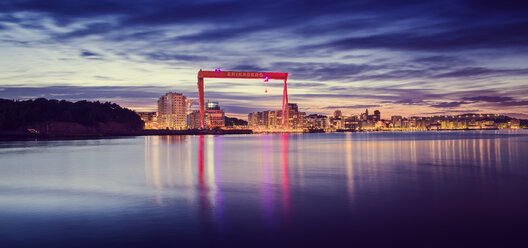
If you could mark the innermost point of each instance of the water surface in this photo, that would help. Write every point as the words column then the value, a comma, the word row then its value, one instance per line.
column 334, row 189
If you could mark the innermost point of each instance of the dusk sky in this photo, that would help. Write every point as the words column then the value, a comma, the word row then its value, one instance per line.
column 401, row 57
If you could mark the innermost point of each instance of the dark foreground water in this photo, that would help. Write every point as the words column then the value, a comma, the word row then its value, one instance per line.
column 298, row 190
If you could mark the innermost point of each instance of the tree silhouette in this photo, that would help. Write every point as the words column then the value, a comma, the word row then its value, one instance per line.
column 14, row 114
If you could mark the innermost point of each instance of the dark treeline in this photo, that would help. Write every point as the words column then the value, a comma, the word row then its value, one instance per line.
column 15, row 114
column 231, row 122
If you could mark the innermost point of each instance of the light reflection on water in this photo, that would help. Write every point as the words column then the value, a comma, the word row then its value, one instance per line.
column 280, row 189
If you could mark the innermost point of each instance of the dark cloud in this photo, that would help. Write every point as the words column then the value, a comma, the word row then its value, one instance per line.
column 162, row 56
column 323, row 71
column 65, row 8
column 505, row 101
column 395, row 75
column 508, row 35
column 97, row 28
column 411, row 101
column 489, row 98
column 222, row 34
column 306, row 85
column 360, row 106
column 451, row 111
column 514, row 103
column 89, row 54
column 248, row 67
column 442, row 61
column 481, row 71
column 448, row 104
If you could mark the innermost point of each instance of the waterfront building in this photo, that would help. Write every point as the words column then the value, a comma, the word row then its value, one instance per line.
column 352, row 122
column 272, row 119
column 172, row 111
column 396, row 120
column 376, row 116
column 193, row 119
column 364, row 116
column 214, row 115
column 316, row 121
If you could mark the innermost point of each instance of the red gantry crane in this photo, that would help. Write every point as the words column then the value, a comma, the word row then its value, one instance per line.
column 244, row 75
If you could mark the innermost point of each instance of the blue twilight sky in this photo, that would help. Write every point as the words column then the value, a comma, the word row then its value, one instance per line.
column 401, row 57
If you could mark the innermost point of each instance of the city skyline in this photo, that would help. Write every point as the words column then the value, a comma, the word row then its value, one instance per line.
column 404, row 58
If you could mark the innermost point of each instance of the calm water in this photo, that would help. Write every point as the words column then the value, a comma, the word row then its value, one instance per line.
column 297, row 190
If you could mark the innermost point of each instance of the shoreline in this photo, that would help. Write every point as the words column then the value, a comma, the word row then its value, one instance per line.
column 16, row 136
column 152, row 132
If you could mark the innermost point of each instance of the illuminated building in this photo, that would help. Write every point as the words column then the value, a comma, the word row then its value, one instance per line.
column 380, row 124
column 315, row 121
column 214, row 116
column 337, row 121
column 364, row 116
column 193, row 119
column 296, row 118
column 352, row 122
column 377, row 116
column 172, row 111
column 272, row 119
column 396, row 121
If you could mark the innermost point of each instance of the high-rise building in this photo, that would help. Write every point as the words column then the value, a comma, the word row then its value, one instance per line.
column 172, row 111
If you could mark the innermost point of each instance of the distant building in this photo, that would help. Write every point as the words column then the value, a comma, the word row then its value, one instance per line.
column 193, row 119
column 376, row 116
column 172, row 111
column 272, row 119
column 364, row 116
column 352, row 122
column 212, row 106
column 296, row 118
column 315, row 121
column 214, row 115
column 337, row 121
column 396, row 120
column 380, row 124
